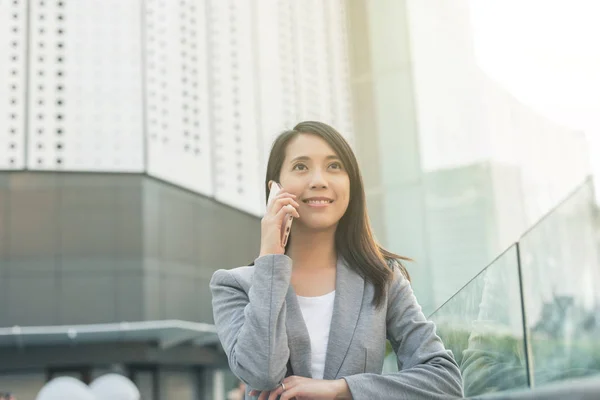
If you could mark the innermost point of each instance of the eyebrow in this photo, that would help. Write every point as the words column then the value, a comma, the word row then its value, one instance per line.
column 306, row 158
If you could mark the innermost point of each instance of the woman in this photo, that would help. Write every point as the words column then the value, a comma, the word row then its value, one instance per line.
column 310, row 321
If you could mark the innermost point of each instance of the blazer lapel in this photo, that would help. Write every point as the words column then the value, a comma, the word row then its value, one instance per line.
column 298, row 338
column 349, row 288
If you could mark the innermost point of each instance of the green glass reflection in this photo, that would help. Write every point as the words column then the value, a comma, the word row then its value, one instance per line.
column 483, row 326
column 561, row 285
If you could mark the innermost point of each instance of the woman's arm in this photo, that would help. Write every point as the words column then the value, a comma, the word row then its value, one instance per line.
column 251, row 326
column 427, row 369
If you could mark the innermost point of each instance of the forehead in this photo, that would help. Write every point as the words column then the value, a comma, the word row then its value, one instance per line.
column 308, row 145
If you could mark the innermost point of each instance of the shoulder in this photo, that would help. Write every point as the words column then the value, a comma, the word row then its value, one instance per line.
column 239, row 277
column 399, row 283
column 399, row 273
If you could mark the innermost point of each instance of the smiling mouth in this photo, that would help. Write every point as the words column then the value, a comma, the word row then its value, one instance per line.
column 318, row 202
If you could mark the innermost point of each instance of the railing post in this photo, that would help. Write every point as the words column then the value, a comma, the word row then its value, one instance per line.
column 526, row 337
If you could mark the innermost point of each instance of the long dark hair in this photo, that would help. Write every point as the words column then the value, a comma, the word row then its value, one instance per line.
column 354, row 238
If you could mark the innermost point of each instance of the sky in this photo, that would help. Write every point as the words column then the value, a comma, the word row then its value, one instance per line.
column 547, row 54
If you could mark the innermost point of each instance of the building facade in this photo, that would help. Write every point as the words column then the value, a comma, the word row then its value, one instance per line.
column 133, row 144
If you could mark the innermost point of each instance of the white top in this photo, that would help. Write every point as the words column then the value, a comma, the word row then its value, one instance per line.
column 317, row 312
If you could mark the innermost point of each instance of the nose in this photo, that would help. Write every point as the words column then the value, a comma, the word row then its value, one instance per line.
column 317, row 180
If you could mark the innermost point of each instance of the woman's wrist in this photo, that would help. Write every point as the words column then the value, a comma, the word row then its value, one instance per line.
column 268, row 252
column 342, row 391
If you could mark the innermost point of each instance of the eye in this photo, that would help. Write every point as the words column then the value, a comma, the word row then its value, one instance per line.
column 299, row 167
column 335, row 165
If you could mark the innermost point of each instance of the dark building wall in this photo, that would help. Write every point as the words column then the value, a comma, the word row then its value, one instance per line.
column 79, row 248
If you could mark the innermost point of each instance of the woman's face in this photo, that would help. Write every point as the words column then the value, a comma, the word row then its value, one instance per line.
column 314, row 173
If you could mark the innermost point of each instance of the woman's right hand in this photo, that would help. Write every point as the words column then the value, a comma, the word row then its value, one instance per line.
column 283, row 206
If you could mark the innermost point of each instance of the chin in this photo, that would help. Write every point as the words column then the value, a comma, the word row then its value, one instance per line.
column 320, row 225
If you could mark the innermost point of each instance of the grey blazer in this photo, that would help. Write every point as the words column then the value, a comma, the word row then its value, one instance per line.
column 262, row 330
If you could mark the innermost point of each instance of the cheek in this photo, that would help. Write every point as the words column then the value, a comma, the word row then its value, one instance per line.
column 344, row 199
column 345, row 191
column 344, row 205
column 291, row 185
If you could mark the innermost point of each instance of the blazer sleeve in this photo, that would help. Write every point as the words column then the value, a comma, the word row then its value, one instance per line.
column 427, row 369
column 251, row 327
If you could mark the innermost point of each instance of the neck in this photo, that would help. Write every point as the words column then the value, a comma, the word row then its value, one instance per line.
column 312, row 250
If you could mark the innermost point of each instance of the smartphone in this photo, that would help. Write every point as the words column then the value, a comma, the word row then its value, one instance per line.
column 274, row 190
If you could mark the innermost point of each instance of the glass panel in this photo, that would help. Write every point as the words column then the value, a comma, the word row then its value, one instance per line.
column 482, row 325
column 561, row 282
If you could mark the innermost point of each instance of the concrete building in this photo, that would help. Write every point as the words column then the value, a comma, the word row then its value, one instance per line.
column 133, row 143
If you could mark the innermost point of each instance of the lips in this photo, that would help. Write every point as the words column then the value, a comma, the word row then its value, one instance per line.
column 318, row 200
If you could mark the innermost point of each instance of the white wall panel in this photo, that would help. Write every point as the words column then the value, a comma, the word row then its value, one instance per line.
column 215, row 103
column 303, row 68
column 178, row 129
column 320, row 48
column 310, row 42
column 276, row 85
column 13, row 49
column 339, row 68
column 85, row 104
column 192, row 92
column 233, row 104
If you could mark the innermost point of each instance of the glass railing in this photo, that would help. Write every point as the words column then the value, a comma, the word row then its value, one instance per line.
column 533, row 315
column 483, row 326
column 560, row 266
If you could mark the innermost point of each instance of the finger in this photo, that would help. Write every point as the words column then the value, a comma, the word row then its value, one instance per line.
column 287, row 209
column 253, row 393
column 290, row 381
column 283, row 201
column 263, row 395
column 282, row 195
column 290, row 393
column 275, row 393
column 278, row 203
